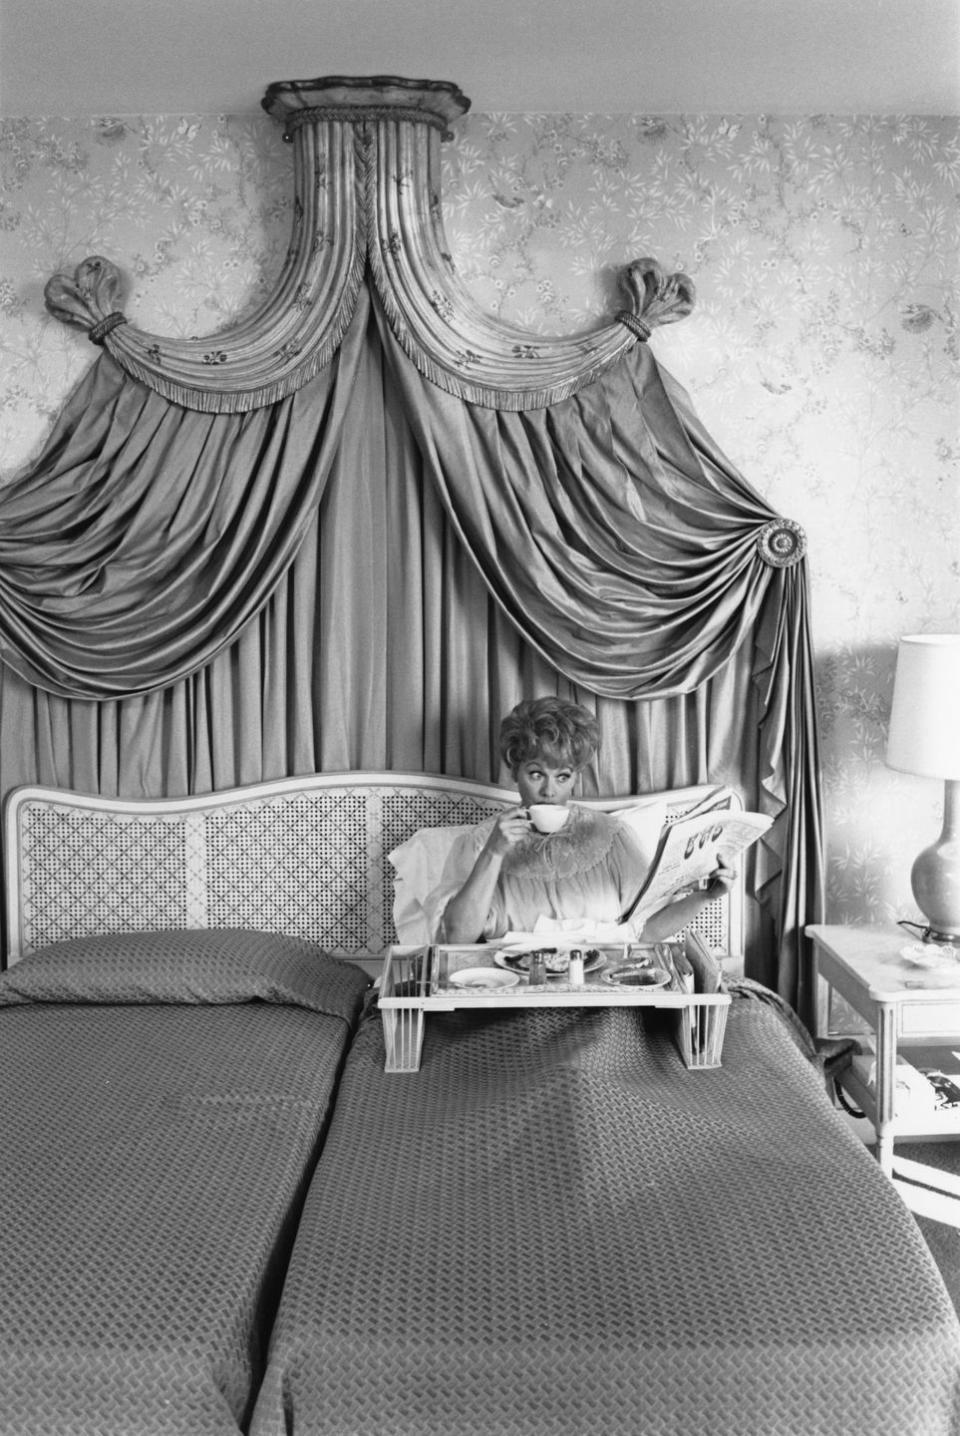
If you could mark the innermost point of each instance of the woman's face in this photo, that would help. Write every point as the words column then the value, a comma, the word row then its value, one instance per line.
column 542, row 781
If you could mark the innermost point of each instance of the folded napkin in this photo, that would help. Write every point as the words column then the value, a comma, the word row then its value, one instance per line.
column 570, row 931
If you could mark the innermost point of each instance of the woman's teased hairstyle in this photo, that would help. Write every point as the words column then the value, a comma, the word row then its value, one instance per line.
column 550, row 729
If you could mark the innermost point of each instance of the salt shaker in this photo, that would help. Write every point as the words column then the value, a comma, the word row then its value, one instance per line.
column 575, row 972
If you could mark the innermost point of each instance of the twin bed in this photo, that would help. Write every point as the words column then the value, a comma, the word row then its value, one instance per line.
column 221, row 1214
column 165, row 1098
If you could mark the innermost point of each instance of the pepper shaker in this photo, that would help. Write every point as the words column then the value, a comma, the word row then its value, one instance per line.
column 538, row 968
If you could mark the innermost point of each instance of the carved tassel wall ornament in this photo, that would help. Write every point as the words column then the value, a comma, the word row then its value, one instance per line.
column 366, row 164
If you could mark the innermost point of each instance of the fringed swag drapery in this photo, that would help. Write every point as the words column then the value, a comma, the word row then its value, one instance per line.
column 354, row 530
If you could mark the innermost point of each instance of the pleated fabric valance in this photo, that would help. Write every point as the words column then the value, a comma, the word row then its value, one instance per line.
column 366, row 169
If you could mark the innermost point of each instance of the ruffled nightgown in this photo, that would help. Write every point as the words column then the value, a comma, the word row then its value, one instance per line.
column 592, row 869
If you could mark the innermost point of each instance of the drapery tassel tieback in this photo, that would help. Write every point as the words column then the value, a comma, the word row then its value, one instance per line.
column 100, row 331
column 656, row 298
column 89, row 298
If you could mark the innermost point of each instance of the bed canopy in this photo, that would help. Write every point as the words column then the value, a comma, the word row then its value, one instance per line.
column 351, row 529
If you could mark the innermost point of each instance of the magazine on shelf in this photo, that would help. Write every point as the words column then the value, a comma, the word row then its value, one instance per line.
column 940, row 1067
column 913, row 1095
column 683, row 967
column 688, row 851
column 926, row 1079
column 706, row 968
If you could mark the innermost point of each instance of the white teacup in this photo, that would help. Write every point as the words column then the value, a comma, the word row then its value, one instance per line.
column 548, row 817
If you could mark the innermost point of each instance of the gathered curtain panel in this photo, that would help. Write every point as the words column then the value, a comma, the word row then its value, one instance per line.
column 147, row 535
column 369, row 572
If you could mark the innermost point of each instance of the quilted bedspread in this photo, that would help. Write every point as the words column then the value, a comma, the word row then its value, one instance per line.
column 161, row 1113
column 555, row 1229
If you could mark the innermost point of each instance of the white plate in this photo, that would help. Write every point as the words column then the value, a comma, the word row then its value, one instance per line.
column 483, row 977
column 643, row 979
column 518, row 959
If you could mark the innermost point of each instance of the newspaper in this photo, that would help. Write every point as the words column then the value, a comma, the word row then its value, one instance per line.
column 688, row 852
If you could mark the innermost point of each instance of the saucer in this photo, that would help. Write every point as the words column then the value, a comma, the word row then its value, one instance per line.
column 929, row 955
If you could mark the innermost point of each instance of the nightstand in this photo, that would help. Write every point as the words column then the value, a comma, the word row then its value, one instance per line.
column 900, row 1003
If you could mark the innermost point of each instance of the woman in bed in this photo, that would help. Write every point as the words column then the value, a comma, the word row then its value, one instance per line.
column 590, row 869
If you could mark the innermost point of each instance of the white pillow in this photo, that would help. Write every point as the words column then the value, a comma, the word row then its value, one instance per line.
column 418, row 867
column 645, row 819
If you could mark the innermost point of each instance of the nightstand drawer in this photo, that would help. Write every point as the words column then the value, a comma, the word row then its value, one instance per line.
column 929, row 1019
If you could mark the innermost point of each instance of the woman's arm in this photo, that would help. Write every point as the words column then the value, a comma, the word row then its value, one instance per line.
column 466, row 912
column 676, row 915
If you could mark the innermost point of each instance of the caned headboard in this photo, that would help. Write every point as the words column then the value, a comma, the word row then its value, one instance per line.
column 305, row 856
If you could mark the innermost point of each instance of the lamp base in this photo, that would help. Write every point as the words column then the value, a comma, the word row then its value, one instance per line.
column 935, row 875
column 943, row 939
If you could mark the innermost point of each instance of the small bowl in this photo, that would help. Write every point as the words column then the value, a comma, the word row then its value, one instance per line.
column 479, row 978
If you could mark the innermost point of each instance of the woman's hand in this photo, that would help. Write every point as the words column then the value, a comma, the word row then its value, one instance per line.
column 512, row 825
column 721, row 880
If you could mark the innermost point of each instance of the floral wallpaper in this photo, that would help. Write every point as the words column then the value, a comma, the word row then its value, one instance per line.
column 823, row 354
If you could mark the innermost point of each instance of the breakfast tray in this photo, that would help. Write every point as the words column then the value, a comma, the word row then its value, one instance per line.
column 418, row 980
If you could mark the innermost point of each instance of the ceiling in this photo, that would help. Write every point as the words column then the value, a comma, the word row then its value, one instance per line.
column 114, row 57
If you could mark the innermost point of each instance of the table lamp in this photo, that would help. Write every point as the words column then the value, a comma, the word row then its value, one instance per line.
column 924, row 738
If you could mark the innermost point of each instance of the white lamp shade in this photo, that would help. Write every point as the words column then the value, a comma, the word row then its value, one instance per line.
column 924, row 733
